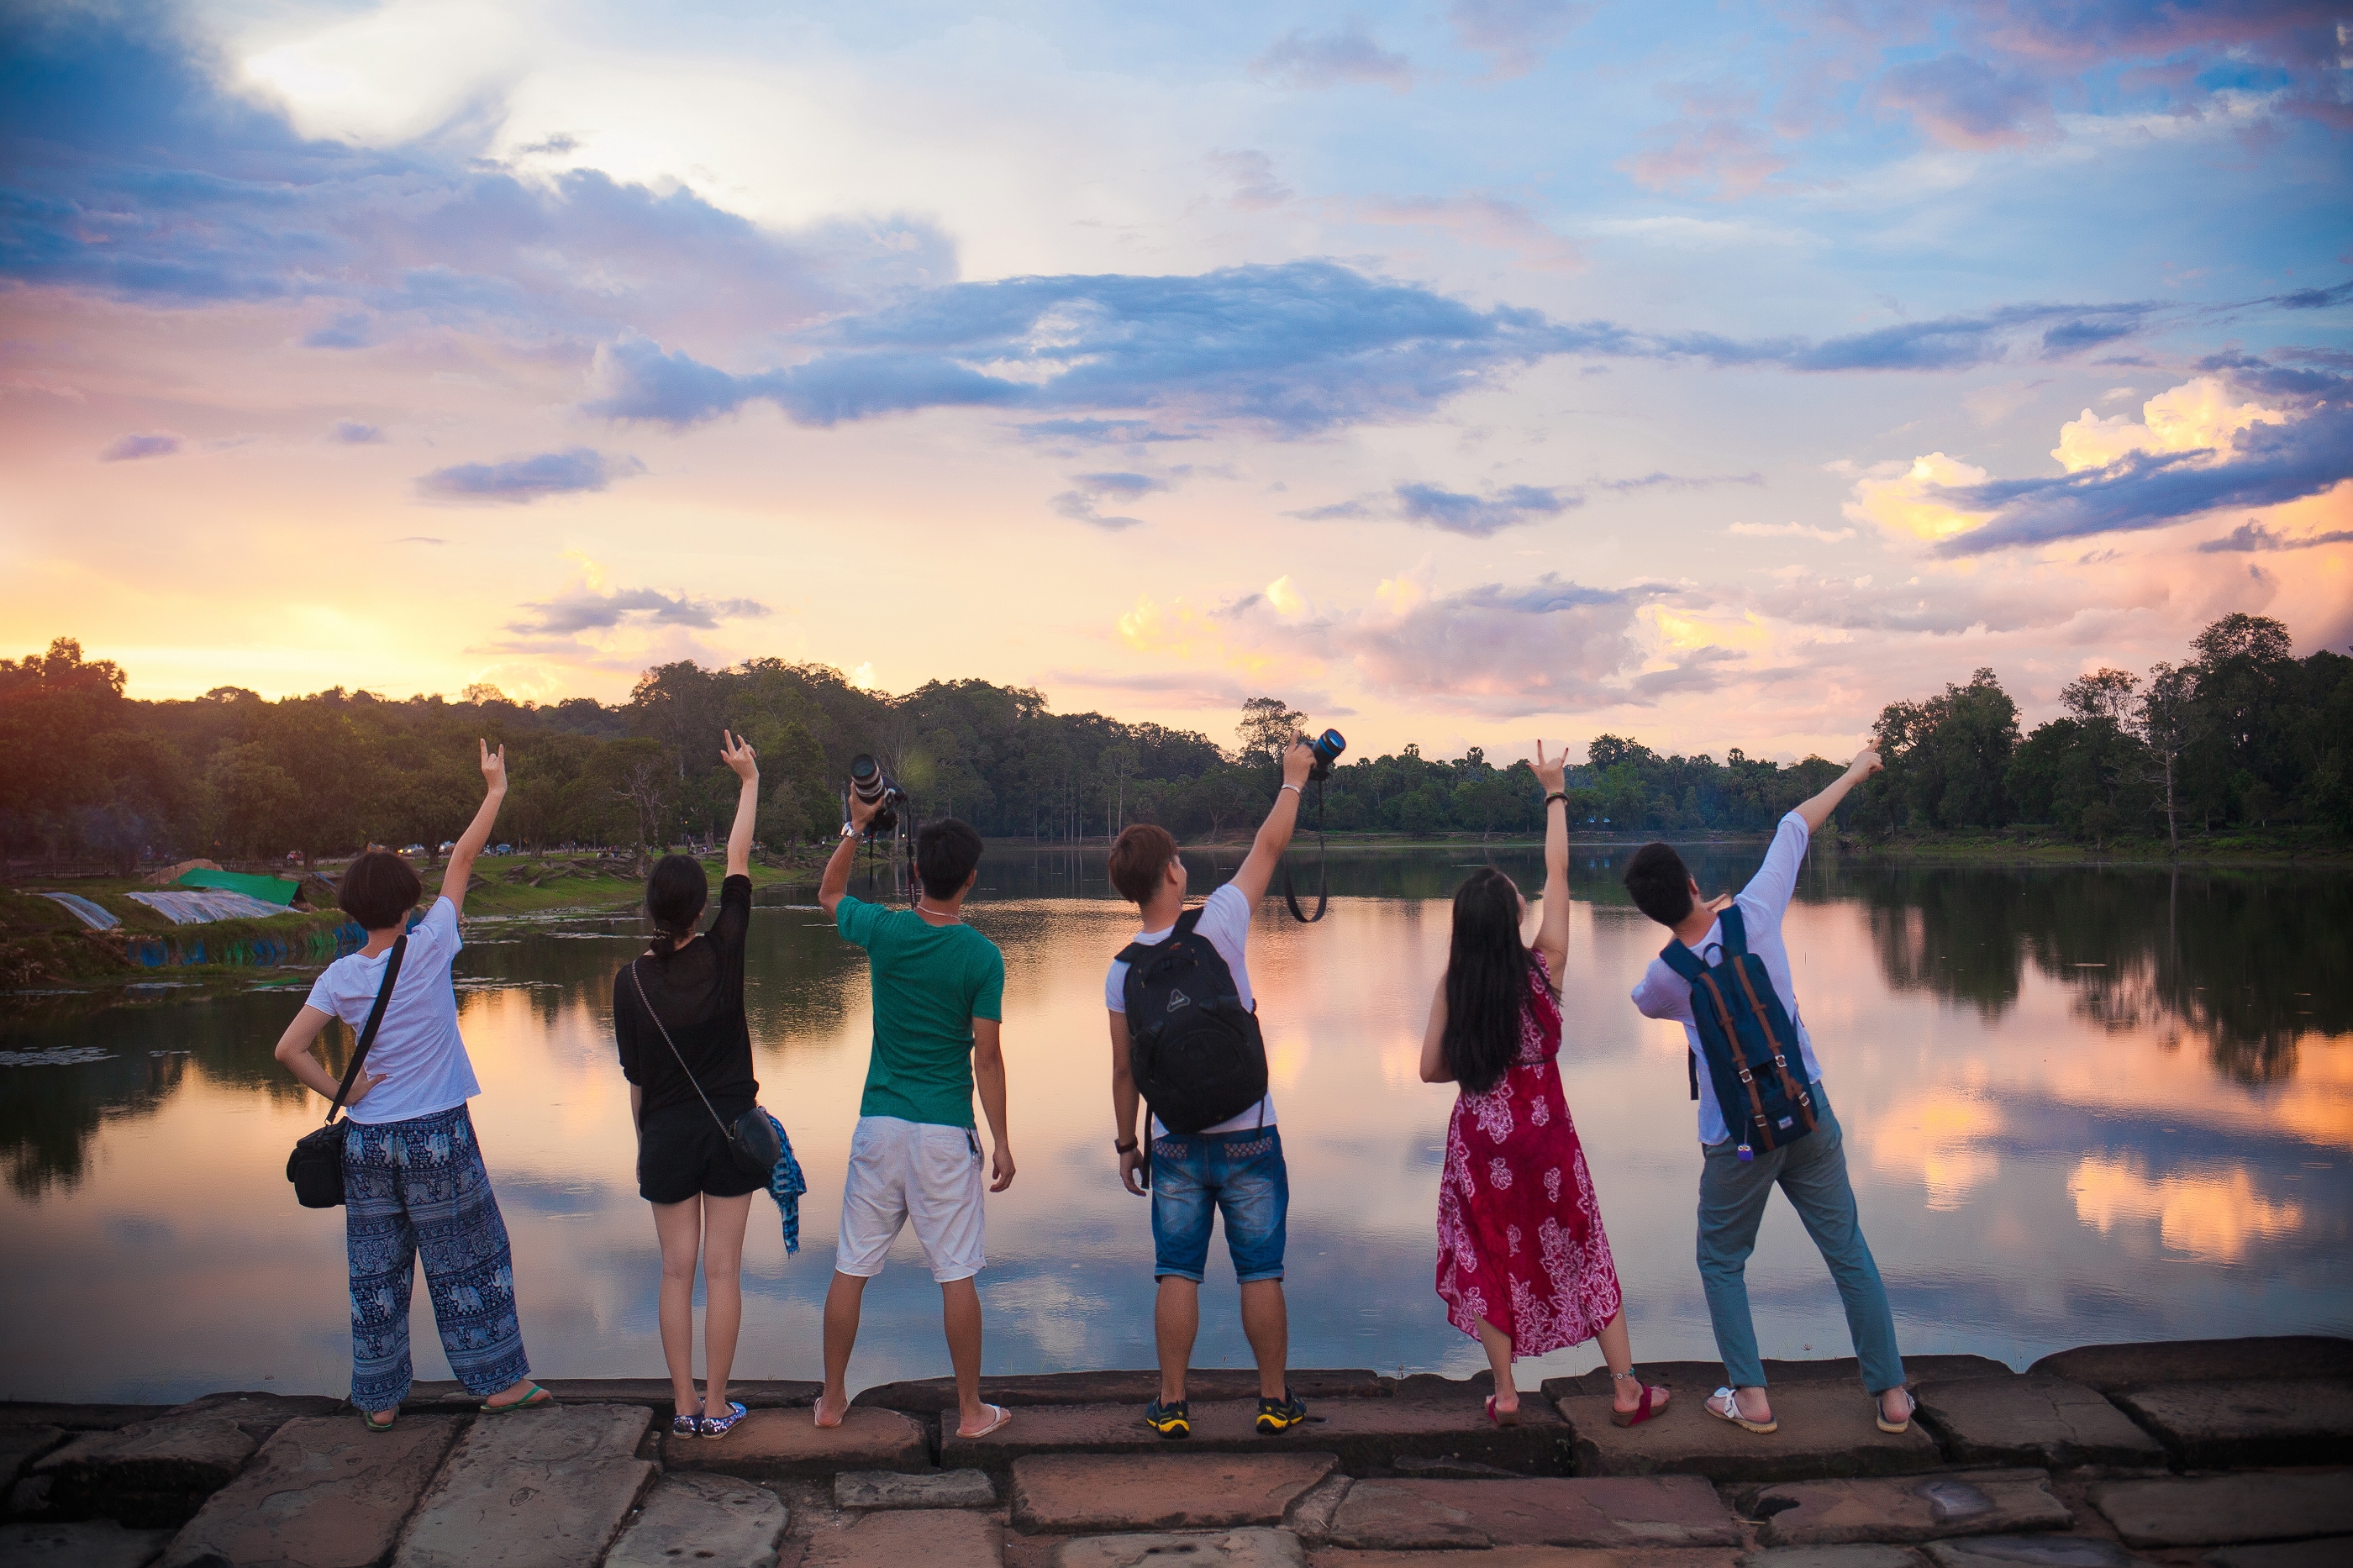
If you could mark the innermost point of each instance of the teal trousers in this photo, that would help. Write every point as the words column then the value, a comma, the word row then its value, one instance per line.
column 1812, row 1173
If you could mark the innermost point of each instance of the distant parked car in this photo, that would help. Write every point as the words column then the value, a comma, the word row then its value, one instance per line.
column 503, row 849
column 447, row 845
column 412, row 850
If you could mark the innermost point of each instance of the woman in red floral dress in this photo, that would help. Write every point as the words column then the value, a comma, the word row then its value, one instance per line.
column 1523, row 1264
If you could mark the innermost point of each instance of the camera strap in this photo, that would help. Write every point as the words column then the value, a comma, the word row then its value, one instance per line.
column 1323, row 853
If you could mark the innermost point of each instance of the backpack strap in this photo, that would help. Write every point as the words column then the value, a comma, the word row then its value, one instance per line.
column 1736, row 930
column 1136, row 952
column 1681, row 960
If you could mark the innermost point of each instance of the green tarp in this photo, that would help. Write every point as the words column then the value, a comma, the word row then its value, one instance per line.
column 269, row 889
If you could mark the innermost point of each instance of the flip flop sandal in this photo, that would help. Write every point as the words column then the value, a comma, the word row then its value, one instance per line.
column 720, row 1425
column 1641, row 1413
column 1879, row 1414
column 1003, row 1416
column 373, row 1425
column 1730, row 1411
column 817, row 1412
column 683, row 1425
column 535, row 1399
column 1501, row 1418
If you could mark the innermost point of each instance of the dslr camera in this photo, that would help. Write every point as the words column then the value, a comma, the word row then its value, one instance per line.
column 869, row 783
column 1327, row 748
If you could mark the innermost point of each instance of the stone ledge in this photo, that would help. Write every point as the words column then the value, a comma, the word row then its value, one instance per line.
column 77, row 1417
column 156, row 1474
column 2249, row 1422
column 2115, row 1369
column 934, row 1395
column 1650, row 1511
column 2032, row 1552
column 2035, row 1419
column 322, row 1492
column 1826, row 1431
column 1070, row 1493
column 1531, row 1557
column 1247, row 1547
column 2216, row 1511
column 102, row 1544
column 955, row 1540
column 864, row 1490
column 1704, row 1377
column 711, row 1521
column 1906, row 1511
column 534, row 1488
column 775, row 1444
column 444, row 1397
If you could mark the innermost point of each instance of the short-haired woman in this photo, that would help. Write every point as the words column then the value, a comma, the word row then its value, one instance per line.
column 413, row 1174
column 1523, row 1265
column 686, row 1049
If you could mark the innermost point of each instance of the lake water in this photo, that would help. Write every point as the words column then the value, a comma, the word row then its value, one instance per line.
column 2081, row 1105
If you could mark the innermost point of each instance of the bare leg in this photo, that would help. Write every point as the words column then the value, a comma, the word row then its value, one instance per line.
column 1618, row 1350
column 1266, row 1322
column 1176, row 1320
column 842, row 1300
column 679, row 1229
column 960, row 1314
column 722, row 1292
column 1498, row 1346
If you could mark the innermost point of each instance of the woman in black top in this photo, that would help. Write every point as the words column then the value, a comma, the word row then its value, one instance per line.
column 690, row 987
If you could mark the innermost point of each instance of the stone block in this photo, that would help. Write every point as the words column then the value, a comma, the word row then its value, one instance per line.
column 952, row 1539
column 2034, row 1419
column 155, row 1474
column 653, row 1393
column 2031, row 1552
column 710, row 1521
column 29, row 1498
column 323, row 1492
column 2334, row 1552
column 931, row 1396
column 536, row 1488
column 1826, row 1429
column 1530, row 1557
column 1648, row 1511
column 1859, row 1556
column 2217, row 1511
column 1073, row 1493
column 888, row 1489
column 2306, row 1421
column 76, row 1417
column 20, row 1446
column 2113, row 1369
column 771, row 1445
column 1310, row 1518
column 101, row 1543
column 1706, row 1376
column 1368, row 1435
column 1224, row 1549
column 1913, row 1509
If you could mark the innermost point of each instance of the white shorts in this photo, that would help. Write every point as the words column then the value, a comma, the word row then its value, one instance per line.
column 921, row 1171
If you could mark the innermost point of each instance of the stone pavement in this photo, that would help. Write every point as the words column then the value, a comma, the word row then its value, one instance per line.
column 2211, row 1455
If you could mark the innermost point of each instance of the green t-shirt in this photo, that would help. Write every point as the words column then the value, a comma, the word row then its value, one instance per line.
column 929, row 983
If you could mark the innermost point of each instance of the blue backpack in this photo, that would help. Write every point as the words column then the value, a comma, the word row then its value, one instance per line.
column 1747, row 1036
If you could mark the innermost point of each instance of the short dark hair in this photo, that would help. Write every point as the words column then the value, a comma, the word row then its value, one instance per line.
column 675, row 895
column 946, row 853
column 378, row 889
column 1659, row 883
column 1139, row 861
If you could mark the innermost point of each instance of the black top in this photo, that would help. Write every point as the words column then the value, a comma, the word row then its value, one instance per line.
column 698, row 994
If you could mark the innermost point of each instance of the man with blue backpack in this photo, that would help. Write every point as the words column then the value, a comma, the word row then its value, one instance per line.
column 1185, row 1040
column 1764, row 1120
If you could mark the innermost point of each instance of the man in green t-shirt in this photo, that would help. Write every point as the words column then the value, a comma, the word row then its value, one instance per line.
column 939, row 994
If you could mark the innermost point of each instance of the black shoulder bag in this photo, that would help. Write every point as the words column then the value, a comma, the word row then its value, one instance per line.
column 316, row 1166
column 752, row 1139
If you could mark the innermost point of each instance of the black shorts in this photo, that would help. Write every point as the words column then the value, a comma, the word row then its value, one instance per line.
column 682, row 1152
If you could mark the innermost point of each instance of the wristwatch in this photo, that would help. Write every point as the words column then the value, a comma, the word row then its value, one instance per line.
column 1123, row 1145
column 850, row 830
column 1559, row 794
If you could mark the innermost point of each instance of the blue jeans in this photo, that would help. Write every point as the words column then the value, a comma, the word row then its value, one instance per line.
column 1812, row 1172
column 420, row 1186
column 1198, row 1176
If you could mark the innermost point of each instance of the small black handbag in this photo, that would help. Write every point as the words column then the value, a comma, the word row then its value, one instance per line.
column 752, row 1139
column 316, row 1166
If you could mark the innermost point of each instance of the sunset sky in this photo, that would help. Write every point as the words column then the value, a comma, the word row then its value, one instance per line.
column 1464, row 372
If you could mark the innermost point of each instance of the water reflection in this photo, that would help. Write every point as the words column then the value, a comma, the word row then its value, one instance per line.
column 2082, row 1105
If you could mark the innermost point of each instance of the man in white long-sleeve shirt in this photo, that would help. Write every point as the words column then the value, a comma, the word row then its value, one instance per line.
column 1811, row 1170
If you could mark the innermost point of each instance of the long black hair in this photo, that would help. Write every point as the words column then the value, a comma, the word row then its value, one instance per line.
column 1486, row 982
column 675, row 895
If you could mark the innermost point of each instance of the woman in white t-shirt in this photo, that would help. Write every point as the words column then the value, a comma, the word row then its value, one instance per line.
column 413, row 1175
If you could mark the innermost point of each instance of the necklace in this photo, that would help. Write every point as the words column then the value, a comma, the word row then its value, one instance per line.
column 943, row 914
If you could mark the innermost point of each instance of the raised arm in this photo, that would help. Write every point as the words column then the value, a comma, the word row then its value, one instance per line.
column 1552, row 929
column 478, row 831
column 1275, row 833
column 1818, row 810
column 836, row 881
column 737, row 754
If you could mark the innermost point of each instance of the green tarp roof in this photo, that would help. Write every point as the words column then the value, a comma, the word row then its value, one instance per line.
column 269, row 889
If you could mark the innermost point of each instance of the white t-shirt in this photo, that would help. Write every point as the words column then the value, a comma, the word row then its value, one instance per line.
column 417, row 1049
column 1663, row 994
column 1225, row 921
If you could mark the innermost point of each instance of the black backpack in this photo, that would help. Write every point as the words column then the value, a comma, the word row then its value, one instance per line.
column 1746, row 1034
column 1195, row 1051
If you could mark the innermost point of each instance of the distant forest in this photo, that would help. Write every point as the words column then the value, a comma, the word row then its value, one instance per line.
column 2240, row 733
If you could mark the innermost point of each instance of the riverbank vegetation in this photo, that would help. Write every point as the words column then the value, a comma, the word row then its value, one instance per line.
column 2238, row 740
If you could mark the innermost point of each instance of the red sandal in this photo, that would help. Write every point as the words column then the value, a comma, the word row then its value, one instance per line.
column 1641, row 1413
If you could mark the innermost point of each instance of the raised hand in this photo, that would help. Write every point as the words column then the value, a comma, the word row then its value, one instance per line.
column 1554, row 775
column 494, row 767
column 1866, row 763
column 737, row 753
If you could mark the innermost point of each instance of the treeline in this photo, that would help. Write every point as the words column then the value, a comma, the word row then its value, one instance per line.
column 2240, row 733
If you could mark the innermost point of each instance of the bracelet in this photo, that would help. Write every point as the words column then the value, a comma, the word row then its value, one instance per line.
column 1293, row 789
column 1559, row 794
column 1126, row 1147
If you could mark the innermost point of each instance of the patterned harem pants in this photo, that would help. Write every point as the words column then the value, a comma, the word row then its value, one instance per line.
column 420, row 1186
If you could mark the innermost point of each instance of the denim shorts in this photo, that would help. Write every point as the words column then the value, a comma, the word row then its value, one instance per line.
column 1239, row 1174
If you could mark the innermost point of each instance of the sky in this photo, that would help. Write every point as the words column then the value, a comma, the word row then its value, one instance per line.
column 1466, row 371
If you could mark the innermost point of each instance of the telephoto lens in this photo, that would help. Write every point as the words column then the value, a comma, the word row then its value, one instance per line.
column 869, row 783
column 1327, row 748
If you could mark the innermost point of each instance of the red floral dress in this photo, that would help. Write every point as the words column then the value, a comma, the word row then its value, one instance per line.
column 1519, row 1231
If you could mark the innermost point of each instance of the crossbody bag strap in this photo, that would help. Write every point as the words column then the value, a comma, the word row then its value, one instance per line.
column 689, row 1071
column 374, row 1022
